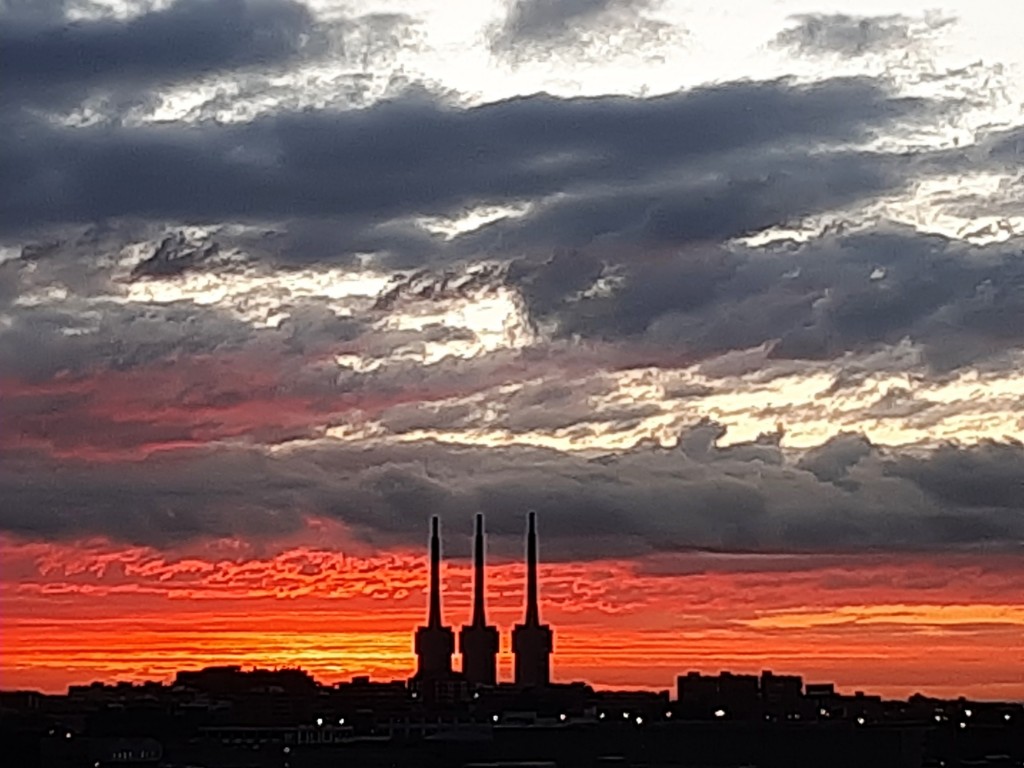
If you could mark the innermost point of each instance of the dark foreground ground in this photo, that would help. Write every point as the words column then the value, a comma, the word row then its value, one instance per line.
column 661, row 745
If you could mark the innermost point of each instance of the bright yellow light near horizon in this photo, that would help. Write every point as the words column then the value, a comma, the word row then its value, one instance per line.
column 918, row 614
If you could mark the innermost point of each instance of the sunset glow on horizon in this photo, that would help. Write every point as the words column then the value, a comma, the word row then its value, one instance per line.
column 103, row 613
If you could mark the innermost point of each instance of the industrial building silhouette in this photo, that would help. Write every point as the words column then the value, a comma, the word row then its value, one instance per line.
column 532, row 641
column 446, row 718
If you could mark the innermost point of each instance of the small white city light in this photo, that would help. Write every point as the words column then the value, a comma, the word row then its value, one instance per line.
column 1006, row 717
column 601, row 716
column 625, row 715
column 287, row 750
column 563, row 717
column 341, row 721
column 938, row 718
column 67, row 735
column 860, row 721
column 639, row 720
column 719, row 713
column 494, row 718
column 963, row 725
column 967, row 713
column 319, row 721
column 668, row 715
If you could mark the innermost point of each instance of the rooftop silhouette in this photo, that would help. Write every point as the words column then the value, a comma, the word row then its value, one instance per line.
column 226, row 715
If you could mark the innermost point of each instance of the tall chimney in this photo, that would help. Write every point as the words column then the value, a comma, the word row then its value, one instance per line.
column 477, row 641
column 532, row 607
column 532, row 642
column 479, row 610
column 434, row 643
column 434, row 618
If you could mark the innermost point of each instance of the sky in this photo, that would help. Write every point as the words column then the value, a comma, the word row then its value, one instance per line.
column 731, row 294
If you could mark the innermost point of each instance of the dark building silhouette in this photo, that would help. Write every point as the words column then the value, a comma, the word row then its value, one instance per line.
column 724, row 695
column 231, row 679
column 435, row 642
column 532, row 642
column 697, row 692
column 781, row 694
column 478, row 642
column 439, row 718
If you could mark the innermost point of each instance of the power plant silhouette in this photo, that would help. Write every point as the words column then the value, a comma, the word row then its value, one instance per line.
column 532, row 642
column 447, row 718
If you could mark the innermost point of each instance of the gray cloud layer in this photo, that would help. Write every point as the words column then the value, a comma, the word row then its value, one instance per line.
column 52, row 60
column 636, row 198
column 535, row 29
column 745, row 497
column 852, row 36
column 835, row 294
column 674, row 159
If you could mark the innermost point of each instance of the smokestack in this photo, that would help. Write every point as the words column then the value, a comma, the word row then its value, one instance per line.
column 532, row 642
column 532, row 607
column 434, row 618
column 478, row 642
column 479, row 611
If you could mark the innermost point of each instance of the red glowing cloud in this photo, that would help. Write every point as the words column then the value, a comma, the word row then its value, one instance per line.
column 83, row 611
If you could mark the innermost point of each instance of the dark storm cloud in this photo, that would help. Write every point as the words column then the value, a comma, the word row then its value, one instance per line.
column 836, row 294
column 832, row 460
column 742, row 498
column 1007, row 146
column 413, row 156
column 852, row 36
column 988, row 475
column 536, row 28
column 47, row 59
column 538, row 19
column 175, row 256
column 764, row 189
column 159, row 505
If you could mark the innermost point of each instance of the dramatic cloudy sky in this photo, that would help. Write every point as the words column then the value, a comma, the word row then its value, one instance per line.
column 731, row 294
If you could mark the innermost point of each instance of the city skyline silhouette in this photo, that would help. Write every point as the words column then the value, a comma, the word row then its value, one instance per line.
column 478, row 643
